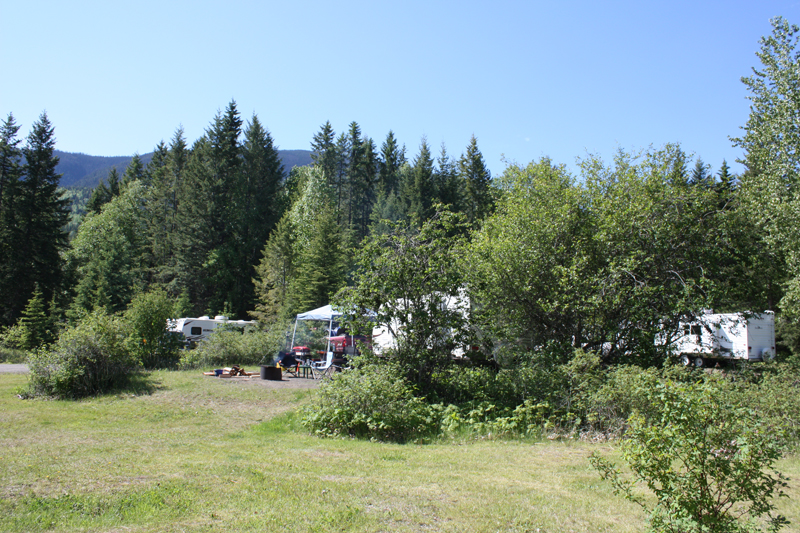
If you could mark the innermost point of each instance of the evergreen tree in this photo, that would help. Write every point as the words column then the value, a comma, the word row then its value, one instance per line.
column 320, row 273
column 725, row 184
column 133, row 172
column 102, row 194
column 392, row 158
column 340, row 182
column 42, row 217
column 448, row 189
column 10, row 175
column 421, row 191
column 35, row 326
column 356, row 178
column 476, row 179
column 324, row 153
column 274, row 273
column 701, row 175
column 165, row 179
column 259, row 210
column 10, row 156
column 678, row 175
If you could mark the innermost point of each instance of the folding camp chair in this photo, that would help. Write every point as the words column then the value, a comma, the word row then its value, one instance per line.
column 324, row 369
column 288, row 364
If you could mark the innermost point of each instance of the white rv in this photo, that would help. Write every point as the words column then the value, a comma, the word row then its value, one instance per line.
column 198, row 329
column 384, row 336
column 725, row 337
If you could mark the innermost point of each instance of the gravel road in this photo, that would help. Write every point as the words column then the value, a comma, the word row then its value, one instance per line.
column 13, row 369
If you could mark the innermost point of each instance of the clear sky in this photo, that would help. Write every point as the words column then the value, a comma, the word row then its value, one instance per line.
column 527, row 78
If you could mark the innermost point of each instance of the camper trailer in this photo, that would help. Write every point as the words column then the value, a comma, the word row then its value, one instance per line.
column 731, row 336
column 198, row 329
column 384, row 336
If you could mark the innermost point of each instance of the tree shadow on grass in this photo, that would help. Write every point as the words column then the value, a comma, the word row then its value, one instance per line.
column 138, row 384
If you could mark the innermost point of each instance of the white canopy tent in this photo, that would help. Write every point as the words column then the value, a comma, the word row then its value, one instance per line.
column 326, row 313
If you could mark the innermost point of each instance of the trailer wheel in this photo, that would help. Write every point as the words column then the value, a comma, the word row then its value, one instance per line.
column 685, row 361
column 699, row 362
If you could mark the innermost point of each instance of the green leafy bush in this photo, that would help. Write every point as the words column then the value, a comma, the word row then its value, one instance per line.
column 371, row 402
column 88, row 358
column 226, row 347
column 148, row 337
column 708, row 461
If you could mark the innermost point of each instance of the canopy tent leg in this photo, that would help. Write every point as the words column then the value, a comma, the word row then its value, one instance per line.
column 291, row 346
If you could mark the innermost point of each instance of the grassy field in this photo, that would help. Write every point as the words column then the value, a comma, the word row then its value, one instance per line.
column 190, row 453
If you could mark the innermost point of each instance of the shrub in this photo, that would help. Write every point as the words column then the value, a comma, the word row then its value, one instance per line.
column 709, row 462
column 88, row 358
column 226, row 347
column 148, row 337
column 371, row 401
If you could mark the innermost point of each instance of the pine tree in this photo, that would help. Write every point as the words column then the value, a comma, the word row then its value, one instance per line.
column 448, row 189
column 701, row 175
column 323, row 152
column 42, row 217
column 10, row 156
column 725, row 186
column 320, row 273
column 133, row 172
column 36, row 328
column 10, row 175
column 392, row 158
column 476, row 179
column 102, row 194
column 274, row 273
column 260, row 208
column 419, row 192
column 678, row 175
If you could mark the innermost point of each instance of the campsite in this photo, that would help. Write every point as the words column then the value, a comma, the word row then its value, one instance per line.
column 381, row 334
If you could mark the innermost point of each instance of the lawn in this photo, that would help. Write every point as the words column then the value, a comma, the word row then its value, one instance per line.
column 188, row 453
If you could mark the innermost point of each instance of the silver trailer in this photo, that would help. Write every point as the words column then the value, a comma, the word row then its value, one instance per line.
column 731, row 336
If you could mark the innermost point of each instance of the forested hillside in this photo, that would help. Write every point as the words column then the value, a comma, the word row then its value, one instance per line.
column 82, row 171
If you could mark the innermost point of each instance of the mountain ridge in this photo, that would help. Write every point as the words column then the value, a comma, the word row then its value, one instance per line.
column 83, row 170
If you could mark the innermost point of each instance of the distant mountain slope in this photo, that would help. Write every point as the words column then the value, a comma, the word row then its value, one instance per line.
column 81, row 170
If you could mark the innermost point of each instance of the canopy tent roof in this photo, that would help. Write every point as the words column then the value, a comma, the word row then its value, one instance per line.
column 325, row 312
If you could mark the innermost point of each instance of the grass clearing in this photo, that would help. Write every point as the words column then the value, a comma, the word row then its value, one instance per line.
column 189, row 453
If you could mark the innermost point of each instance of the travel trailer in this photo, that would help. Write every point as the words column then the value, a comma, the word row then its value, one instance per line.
column 384, row 336
column 198, row 329
column 732, row 336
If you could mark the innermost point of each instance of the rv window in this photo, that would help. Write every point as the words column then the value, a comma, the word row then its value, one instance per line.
column 697, row 330
column 686, row 329
column 197, row 331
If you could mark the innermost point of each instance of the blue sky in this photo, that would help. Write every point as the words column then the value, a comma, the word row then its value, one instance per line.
column 528, row 79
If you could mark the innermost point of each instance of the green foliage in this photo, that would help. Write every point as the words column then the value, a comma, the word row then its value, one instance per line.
column 274, row 274
column 87, row 359
column 476, row 179
column 604, row 265
column 708, row 462
column 148, row 337
column 32, row 217
column 226, row 347
column 371, row 402
column 106, row 254
column 769, row 188
column 36, row 328
column 408, row 277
